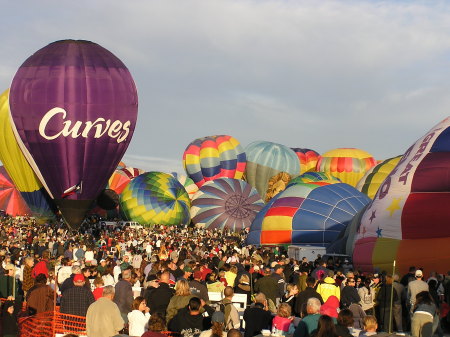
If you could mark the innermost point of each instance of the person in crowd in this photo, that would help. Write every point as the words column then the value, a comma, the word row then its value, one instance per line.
column 103, row 318
column 158, row 299
column 138, row 317
column 326, row 327
column 328, row 287
column 385, row 301
column 77, row 299
column 40, row 298
column 179, row 300
column 156, row 324
column 281, row 282
column 10, row 326
column 415, row 287
column 283, row 322
column 9, row 286
column 367, row 295
column 304, row 296
column 309, row 323
column 268, row 285
column 370, row 326
column 344, row 326
column 218, row 326
column 198, row 287
column 232, row 320
column 290, row 297
column 42, row 266
column 424, row 312
column 28, row 280
column 349, row 293
column 234, row 333
column 397, row 310
column 68, row 282
column 98, row 291
column 257, row 317
column 189, row 321
column 244, row 287
column 124, row 294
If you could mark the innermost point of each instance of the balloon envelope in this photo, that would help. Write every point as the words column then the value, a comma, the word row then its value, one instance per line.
column 214, row 157
column 155, row 198
column 74, row 109
column 265, row 160
column 225, row 203
column 306, row 214
column 407, row 221
column 308, row 159
column 21, row 173
column 10, row 199
column 347, row 164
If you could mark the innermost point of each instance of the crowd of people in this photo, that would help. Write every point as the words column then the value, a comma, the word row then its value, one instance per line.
column 143, row 282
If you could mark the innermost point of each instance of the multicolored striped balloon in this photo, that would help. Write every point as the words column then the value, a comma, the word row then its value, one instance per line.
column 265, row 160
column 347, row 164
column 156, row 198
column 306, row 214
column 10, row 199
column 408, row 219
column 118, row 181
column 373, row 178
column 214, row 157
column 225, row 203
column 308, row 159
column 187, row 183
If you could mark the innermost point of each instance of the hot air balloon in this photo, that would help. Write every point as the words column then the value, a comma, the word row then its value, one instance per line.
column 18, row 168
column 132, row 172
column 308, row 159
column 156, row 198
column 187, row 183
column 214, row 157
column 347, row 164
column 317, row 178
column 373, row 178
column 10, row 199
column 277, row 184
column 225, row 203
column 407, row 221
column 74, row 108
column 265, row 160
column 306, row 214
column 118, row 181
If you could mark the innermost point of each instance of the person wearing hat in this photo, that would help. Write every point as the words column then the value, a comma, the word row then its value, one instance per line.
column 218, row 326
column 415, row 287
column 278, row 275
column 187, row 272
column 197, row 286
column 76, row 300
column 8, row 284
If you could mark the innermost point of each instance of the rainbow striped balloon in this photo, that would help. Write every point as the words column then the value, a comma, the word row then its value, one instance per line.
column 214, row 157
column 347, row 164
column 308, row 159
column 156, row 198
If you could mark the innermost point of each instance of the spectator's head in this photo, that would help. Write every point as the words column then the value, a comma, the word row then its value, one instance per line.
column 218, row 323
column 78, row 280
column 418, row 274
column 313, row 306
column 292, row 289
column 326, row 327
column 157, row 322
column 310, row 281
column 389, row 279
column 234, row 333
column 46, row 254
column 345, row 318
column 194, row 305
column 109, row 292
column 76, row 269
column 182, row 288
column 370, row 323
column 98, row 282
column 126, row 275
column 139, row 303
column 41, row 279
column 228, row 292
column 260, row 298
column 284, row 310
column 29, row 261
column 165, row 277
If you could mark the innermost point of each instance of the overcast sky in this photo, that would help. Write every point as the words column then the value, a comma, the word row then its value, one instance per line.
column 318, row 74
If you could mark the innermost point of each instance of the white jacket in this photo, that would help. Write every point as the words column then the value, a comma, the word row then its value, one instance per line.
column 138, row 322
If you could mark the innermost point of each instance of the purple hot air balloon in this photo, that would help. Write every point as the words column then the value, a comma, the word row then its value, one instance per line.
column 74, row 107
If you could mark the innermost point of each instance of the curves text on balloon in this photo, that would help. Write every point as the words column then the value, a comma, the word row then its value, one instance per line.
column 101, row 126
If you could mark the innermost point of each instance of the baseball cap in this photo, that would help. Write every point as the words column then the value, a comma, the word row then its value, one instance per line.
column 218, row 316
column 78, row 278
column 419, row 273
column 277, row 266
column 187, row 269
column 376, row 276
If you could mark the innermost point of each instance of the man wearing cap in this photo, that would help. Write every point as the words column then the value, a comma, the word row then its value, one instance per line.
column 279, row 278
column 197, row 286
column 187, row 272
column 415, row 287
column 76, row 300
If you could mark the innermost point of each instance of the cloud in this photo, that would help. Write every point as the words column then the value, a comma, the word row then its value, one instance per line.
column 154, row 163
column 367, row 74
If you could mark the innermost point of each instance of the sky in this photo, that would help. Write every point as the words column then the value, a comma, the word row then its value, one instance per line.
column 374, row 75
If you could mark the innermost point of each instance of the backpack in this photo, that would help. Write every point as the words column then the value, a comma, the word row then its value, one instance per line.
column 222, row 308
